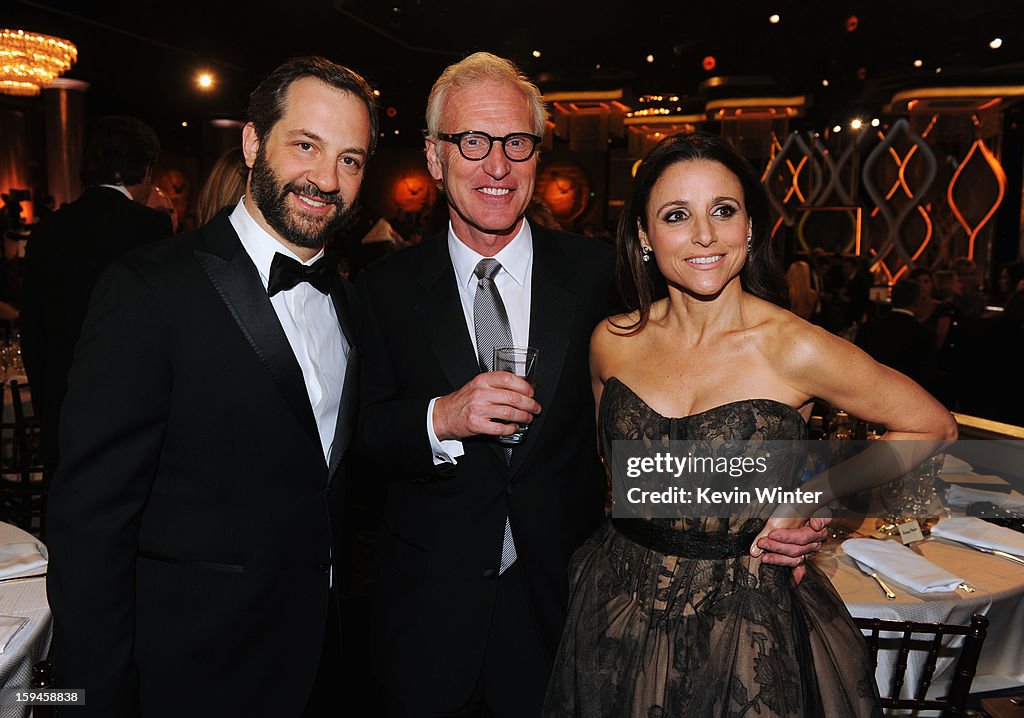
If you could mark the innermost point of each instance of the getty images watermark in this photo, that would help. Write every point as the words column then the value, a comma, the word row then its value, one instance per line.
column 704, row 479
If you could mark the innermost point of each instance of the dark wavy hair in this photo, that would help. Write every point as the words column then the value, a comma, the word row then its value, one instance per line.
column 120, row 150
column 266, row 103
column 640, row 283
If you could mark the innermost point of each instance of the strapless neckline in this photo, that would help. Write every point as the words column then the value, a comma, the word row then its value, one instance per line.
column 639, row 398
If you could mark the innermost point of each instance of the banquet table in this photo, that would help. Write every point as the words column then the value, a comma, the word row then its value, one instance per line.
column 998, row 594
column 25, row 597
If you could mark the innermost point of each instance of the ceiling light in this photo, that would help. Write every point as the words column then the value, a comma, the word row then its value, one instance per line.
column 650, row 58
column 997, row 42
column 856, row 123
column 875, row 122
column 837, row 128
column 30, row 61
column 204, row 80
column 536, row 53
column 824, row 83
column 774, row 19
column 918, row 63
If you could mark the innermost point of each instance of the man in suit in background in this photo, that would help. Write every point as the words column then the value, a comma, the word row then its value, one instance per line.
column 899, row 341
column 475, row 541
column 69, row 249
column 211, row 402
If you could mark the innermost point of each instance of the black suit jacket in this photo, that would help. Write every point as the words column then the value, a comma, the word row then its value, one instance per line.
column 901, row 342
column 66, row 255
column 190, row 520
column 440, row 543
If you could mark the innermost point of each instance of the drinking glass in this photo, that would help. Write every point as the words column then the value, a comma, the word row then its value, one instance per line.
column 521, row 361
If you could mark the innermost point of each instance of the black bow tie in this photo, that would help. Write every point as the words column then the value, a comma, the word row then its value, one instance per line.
column 286, row 273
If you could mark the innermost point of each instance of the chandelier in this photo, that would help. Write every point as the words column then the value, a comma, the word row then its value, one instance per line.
column 29, row 61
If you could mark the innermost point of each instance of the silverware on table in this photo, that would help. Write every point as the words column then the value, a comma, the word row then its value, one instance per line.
column 993, row 551
column 868, row 572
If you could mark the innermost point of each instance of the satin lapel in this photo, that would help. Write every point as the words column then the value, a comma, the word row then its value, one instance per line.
column 345, row 426
column 235, row 278
column 441, row 309
column 552, row 311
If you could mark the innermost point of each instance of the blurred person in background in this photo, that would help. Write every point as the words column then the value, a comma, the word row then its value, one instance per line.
column 224, row 185
column 803, row 300
column 1010, row 279
column 69, row 250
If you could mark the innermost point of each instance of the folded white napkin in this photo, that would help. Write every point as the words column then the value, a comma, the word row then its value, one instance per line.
column 9, row 627
column 962, row 496
column 901, row 564
column 972, row 530
column 953, row 465
column 18, row 559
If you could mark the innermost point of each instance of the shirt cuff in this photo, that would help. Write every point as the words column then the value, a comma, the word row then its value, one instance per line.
column 443, row 452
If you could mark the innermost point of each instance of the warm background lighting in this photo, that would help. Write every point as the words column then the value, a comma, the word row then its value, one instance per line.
column 774, row 19
column 997, row 42
column 918, row 63
column 837, row 128
column 856, row 124
column 204, row 80
column 536, row 53
column 30, row 61
column 650, row 58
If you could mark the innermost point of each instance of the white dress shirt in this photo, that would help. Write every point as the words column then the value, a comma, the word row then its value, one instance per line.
column 310, row 323
column 120, row 188
column 514, row 283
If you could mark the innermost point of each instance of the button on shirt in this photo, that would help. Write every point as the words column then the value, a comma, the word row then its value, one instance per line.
column 514, row 282
column 310, row 323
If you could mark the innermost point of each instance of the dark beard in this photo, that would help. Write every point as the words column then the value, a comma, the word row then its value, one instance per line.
column 271, row 197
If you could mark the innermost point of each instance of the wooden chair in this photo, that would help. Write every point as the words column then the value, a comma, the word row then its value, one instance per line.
column 966, row 664
column 24, row 480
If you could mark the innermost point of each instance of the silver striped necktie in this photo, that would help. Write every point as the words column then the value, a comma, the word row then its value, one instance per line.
column 492, row 331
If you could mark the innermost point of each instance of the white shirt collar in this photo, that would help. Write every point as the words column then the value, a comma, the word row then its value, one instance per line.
column 260, row 245
column 900, row 310
column 119, row 188
column 515, row 257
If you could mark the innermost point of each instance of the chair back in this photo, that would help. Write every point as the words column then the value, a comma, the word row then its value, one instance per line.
column 927, row 638
column 24, row 479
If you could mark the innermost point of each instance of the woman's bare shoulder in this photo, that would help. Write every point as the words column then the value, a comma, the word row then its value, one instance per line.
column 788, row 341
column 613, row 340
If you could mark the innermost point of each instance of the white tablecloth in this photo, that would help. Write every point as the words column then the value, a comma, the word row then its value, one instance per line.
column 999, row 590
column 27, row 599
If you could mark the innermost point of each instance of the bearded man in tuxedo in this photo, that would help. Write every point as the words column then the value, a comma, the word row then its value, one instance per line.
column 211, row 403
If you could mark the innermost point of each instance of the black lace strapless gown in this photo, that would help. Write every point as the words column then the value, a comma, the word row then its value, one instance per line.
column 654, row 634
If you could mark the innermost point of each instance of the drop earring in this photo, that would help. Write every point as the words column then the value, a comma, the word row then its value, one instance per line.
column 750, row 243
column 646, row 253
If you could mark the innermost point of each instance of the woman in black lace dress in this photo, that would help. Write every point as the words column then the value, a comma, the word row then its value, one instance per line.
column 679, row 617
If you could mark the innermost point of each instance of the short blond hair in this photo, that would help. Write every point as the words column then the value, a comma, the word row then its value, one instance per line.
column 478, row 68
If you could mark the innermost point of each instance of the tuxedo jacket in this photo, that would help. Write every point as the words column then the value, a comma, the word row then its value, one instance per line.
column 441, row 535
column 66, row 255
column 191, row 518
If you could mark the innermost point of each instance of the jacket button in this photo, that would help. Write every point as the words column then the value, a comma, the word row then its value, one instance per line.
column 325, row 567
column 490, row 573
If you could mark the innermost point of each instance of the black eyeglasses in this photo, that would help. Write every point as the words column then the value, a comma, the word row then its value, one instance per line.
column 475, row 146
